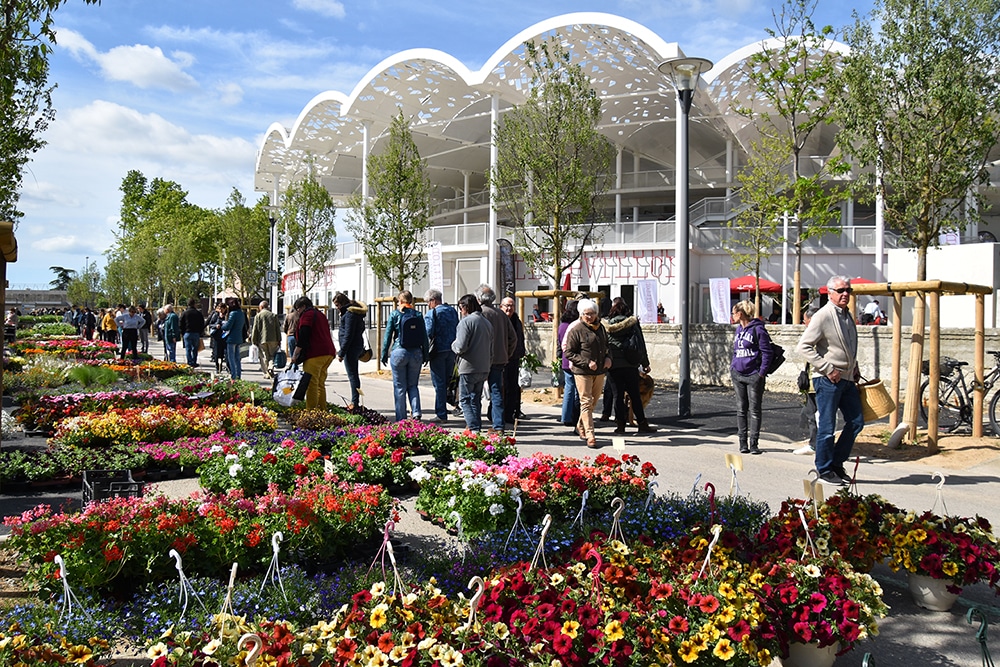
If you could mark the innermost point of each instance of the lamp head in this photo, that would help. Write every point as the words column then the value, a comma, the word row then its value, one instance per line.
column 684, row 72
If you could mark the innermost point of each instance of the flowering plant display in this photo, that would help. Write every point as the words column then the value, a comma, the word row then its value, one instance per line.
column 68, row 347
column 849, row 524
column 233, row 464
column 372, row 458
column 318, row 419
column 822, row 601
column 44, row 412
column 959, row 549
column 23, row 650
column 125, row 541
column 487, row 447
column 485, row 496
column 410, row 434
column 158, row 422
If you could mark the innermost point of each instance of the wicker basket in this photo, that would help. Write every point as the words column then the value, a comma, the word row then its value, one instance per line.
column 876, row 402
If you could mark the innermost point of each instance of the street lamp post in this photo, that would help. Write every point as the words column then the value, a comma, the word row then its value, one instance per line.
column 683, row 73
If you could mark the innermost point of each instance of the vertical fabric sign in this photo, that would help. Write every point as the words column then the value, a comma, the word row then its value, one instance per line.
column 435, row 266
column 646, row 293
column 721, row 300
column 506, row 286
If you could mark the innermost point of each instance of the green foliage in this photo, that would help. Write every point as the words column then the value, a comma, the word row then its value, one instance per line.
column 390, row 225
column 790, row 99
column 47, row 330
column 26, row 40
column 552, row 163
column 531, row 362
column 920, row 106
column 92, row 375
column 307, row 215
column 244, row 234
column 63, row 276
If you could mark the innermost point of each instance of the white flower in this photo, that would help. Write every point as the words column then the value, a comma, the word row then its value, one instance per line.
column 235, row 469
column 812, row 571
column 211, row 647
column 215, row 449
column 378, row 589
column 156, row 650
column 419, row 474
column 491, row 489
column 248, row 453
column 451, row 501
column 496, row 508
column 231, row 457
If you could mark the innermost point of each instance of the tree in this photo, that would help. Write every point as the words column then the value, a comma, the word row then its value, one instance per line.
column 26, row 40
column 164, row 243
column 762, row 184
column 791, row 97
column 390, row 225
column 63, row 276
column 82, row 288
column 552, row 163
column 308, row 213
column 920, row 111
column 247, row 235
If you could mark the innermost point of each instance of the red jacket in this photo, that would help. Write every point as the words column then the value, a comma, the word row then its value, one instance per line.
column 313, row 335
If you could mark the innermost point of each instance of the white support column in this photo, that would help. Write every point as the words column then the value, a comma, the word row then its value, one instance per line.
column 274, row 241
column 465, row 196
column 363, row 293
column 618, row 186
column 971, row 213
column 635, row 178
column 491, row 237
column 729, row 167
column 879, row 227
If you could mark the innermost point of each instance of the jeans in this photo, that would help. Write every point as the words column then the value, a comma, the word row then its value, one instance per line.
column 317, row 367
column 442, row 367
column 191, row 341
column 170, row 350
column 749, row 396
column 405, row 365
column 470, row 398
column 831, row 397
column 589, row 387
column 144, row 340
column 353, row 378
column 495, row 383
column 234, row 361
column 571, row 400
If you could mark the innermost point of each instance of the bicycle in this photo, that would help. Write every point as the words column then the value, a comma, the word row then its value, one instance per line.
column 955, row 395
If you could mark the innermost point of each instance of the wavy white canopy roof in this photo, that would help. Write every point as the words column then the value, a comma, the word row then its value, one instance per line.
column 449, row 106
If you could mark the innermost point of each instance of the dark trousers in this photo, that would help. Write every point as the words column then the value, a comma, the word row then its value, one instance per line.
column 130, row 342
column 511, row 391
column 749, row 397
column 626, row 382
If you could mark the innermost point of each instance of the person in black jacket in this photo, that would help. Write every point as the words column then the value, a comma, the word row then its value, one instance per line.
column 511, row 386
column 192, row 328
column 628, row 353
column 352, row 342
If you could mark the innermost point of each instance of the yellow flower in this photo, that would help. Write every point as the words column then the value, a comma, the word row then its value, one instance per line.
column 156, row 650
column 378, row 617
column 79, row 654
column 726, row 615
column 724, row 650
column 917, row 535
column 949, row 568
column 688, row 652
column 451, row 658
column 378, row 589
column 727, row 591
column 569, row 629
column 556, row 579
column 614, row 631
column 211, row 647
column 501, row 630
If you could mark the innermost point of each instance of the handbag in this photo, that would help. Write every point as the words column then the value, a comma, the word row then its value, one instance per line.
column 366, row 353
column 803, row 379
column 201, row 344
column 280, row 359
column 875, row 400
column 303, row 385
column 285, row 384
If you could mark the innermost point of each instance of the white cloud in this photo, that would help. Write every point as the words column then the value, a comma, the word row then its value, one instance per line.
column 331, row 8
column 108, row 129
column 230, row 94
column 142, row 66
column 67, row 244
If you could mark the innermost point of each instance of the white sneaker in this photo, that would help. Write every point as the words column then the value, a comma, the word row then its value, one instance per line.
column 805, row 450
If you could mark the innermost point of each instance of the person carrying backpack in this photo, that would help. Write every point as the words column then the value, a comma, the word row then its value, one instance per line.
column 752, row 354
column 405, row 349
column 628, row 353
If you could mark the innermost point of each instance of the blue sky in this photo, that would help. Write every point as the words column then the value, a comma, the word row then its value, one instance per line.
column 185, row 90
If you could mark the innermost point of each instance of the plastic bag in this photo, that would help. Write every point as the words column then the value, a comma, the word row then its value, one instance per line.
column 523, row 378
column 285, row 385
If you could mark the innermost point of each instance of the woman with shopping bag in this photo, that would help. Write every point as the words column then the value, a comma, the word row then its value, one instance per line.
column 314, row 349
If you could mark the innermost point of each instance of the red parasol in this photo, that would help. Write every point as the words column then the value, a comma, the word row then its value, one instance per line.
column 746, row 284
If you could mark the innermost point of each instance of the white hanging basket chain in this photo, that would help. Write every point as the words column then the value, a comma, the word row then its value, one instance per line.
column 227, row 603
column 809, row 541
column 583, row 508
column 540, row 551
column 185, row 584
column 69, row 597
column 651, row 495
column 517, row 523
column 617, row 506
column 939, row 496
column 716, row 531
column 274, row 570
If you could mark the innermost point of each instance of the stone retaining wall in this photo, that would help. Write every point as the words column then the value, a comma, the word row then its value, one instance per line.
column 711, row 350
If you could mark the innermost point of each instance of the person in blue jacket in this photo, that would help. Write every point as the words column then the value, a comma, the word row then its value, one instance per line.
column 234, row 331
column 751, row 356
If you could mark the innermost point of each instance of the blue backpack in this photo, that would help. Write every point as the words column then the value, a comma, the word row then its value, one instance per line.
column 411, row 330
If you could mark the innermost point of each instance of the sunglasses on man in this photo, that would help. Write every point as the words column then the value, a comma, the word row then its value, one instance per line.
column 841, row 290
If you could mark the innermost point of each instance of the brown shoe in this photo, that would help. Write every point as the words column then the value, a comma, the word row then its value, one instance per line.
column 583, row 434
column 592, row 443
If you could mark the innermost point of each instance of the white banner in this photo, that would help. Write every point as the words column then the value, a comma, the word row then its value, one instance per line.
column 721, row 300
column 435, row 267
column 646, row 293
